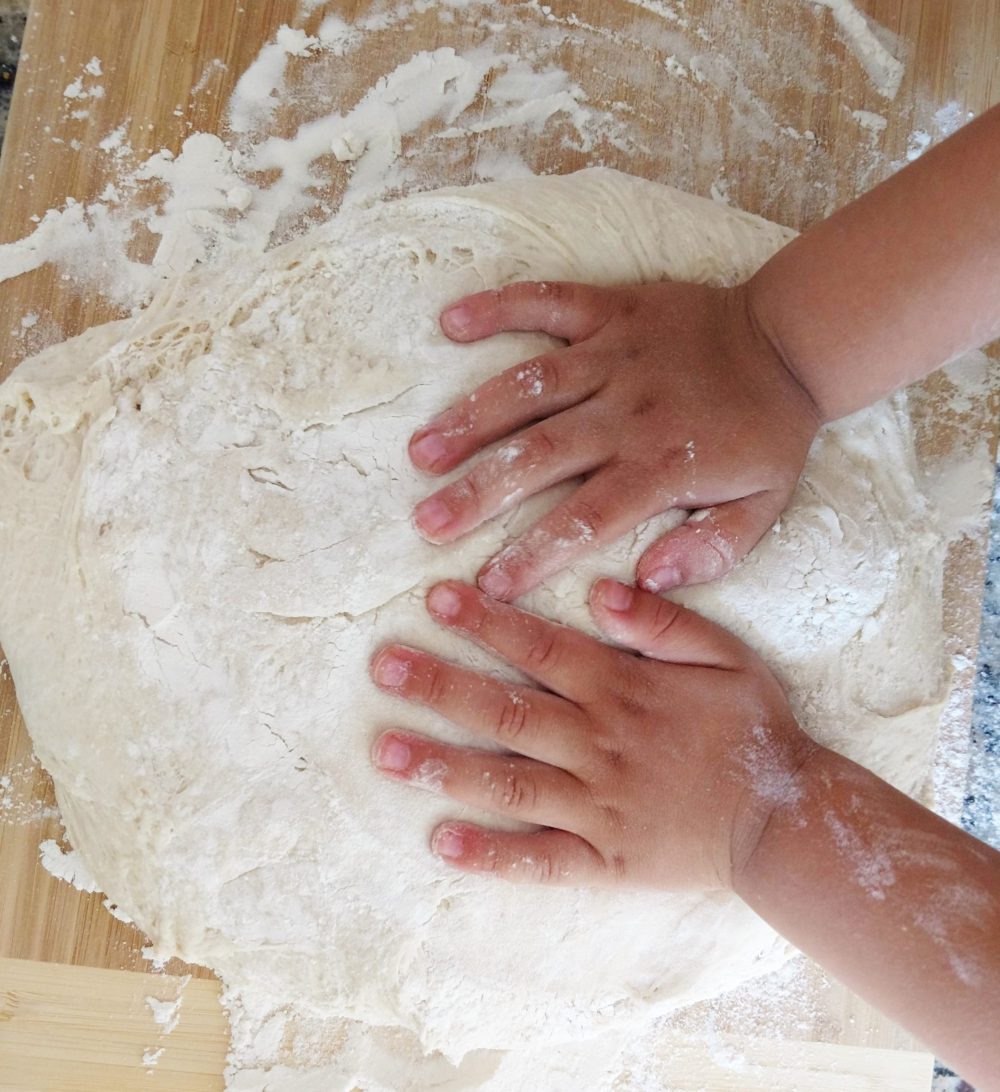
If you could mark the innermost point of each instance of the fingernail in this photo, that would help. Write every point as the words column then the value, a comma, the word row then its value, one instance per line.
column 448, row 842
column 428, row 449
column 456, row 320
column 495, row 583
column 390, row 670
column 662, row 579
column 392, row 754
column 432, row 515
column 616, row 596
column 445, row 602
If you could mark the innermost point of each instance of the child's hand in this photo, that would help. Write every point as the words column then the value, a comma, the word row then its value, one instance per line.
column 667, row 396
column 656, row 770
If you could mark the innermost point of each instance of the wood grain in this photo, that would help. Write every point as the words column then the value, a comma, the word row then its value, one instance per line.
column 81, row 1029
column 156, row 51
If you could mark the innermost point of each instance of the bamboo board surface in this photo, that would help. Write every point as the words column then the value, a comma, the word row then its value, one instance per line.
column 82, row 1029
column 63, row 958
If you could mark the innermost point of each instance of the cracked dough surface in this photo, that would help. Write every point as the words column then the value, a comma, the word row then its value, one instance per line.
column 205, row 533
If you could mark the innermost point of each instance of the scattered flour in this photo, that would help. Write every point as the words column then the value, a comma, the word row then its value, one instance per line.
column 493, row 100
column 874, row 123
column 19, row 803
column 259, row 88
column 884, row 70
column 166, row 1013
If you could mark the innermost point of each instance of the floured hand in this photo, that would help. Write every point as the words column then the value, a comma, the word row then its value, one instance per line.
column 665, row 397
column 650, row 770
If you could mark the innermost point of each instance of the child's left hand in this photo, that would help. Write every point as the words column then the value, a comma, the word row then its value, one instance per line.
column 657, row 770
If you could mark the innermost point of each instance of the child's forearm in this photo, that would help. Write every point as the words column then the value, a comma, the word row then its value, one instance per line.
column 898, row 904
column 895, row 284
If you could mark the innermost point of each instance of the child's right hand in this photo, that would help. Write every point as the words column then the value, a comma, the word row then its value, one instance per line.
column 683, row 767
column 657, row 764
column 666, row 396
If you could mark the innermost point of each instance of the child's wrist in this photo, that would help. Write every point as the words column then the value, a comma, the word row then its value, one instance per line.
column 762, row 330
column 771, row 809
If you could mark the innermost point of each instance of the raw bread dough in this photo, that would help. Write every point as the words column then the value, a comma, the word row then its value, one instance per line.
column 206, row 532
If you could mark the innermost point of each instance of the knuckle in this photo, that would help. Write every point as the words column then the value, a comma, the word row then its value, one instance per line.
column 627, row 302
column 542, row 868
column 615, row 758
column 538, row 446
column 669, row 458
column 587, row 520
column 543, row 652
column 516, row 793
column 435, row 684
column 558, row 293
column 665, row 618
column 617, row 865
column 636, row 687
column 541, row 375
column 513, row 720
column 628, row 702
column 550, row 372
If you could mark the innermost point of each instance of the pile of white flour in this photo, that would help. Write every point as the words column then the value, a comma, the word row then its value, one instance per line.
column 206, row 533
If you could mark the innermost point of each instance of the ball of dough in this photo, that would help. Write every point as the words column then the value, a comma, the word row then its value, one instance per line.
column 206, row 533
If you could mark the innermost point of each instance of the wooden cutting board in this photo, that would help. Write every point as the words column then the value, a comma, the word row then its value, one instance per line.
column 73, row 981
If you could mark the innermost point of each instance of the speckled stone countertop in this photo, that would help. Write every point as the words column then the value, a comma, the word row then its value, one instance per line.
column 12, row 19
column 982, row 807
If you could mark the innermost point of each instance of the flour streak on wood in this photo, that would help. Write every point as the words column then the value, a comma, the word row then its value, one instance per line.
column 72, row 987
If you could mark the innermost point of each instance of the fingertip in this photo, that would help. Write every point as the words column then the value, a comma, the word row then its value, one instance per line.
column 495, row 582
column 427, row 449
column 457, row 321
column 431, row 518
column 449, row 841
column 389, row 667
column 612, row 595
column 444, row 601
column 659, row 578
column 391, row 753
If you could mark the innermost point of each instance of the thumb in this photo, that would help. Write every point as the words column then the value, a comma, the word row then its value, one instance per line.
column 569, row 311
column 662, row 630
column 710, row 543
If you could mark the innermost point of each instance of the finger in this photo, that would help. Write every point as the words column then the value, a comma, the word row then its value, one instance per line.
column 549, row 856
column 560, row 448
column 559, row 657
column 519, row 718
column 663, row 630
column 562, row 309
column 709, row 543
column 529, row 391
column 599, row 511
column 513, row 787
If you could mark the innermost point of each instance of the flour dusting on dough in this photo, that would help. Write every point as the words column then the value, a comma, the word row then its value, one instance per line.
column 847, row 575
column 241, row 508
